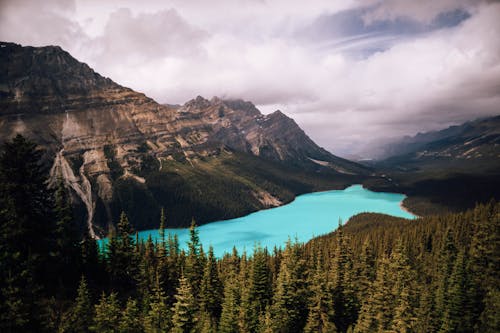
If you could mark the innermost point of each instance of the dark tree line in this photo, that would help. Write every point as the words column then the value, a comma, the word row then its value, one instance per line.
column 375, row 274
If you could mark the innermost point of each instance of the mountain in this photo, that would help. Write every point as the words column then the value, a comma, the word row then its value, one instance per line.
column 472, row 141
column 451, row 169
column 117, row 149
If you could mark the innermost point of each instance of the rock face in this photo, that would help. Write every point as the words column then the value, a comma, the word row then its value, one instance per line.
column 117, row 149
column 473, row 147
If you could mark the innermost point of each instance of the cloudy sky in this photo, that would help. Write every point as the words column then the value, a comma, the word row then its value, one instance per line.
column 350, row 72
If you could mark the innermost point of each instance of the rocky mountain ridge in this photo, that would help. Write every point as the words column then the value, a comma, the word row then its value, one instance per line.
column 452, row 169
column 113, row 146
column 474, row 143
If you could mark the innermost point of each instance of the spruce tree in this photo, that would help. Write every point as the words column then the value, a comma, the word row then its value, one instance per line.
column 122, row 263
column 194, row 263
column 320, row 306
column 107, row 314
column 484, row 256
column 185, row 309
column 343, row 292
column 489, row 322
column 83, row 312
column 67, row 245
column 403, row 321
column 248, row 319
column 158, row 316
column 161, row 232
column 376, row 311
column 403, row 296
column 131, row 321
column 426, row 316
column 231, row 304
column 289, row 309
column 260, row 287
column 26, row 235
column 453, row 313
column 211, row 288
column 446, row 259
column 147, row 268
column 365, row 270
column 89, row 257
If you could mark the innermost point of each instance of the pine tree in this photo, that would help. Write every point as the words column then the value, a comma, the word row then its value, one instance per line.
column 194, row 263
column 266, row 323
column 375, row 313
column 206, row 323
column 83, row 312
column 320, row 306
column 260, row 287
column 15, row 306
column 453, row 313
column 289, row 310
column 248, row 319
column 147, row 267
column 484, row 256
column 344, row 298
column 365, row 270
column 489, row 322
column 169, row 268
column 230, row 305
column 67, row 248
column 89, row 257
column 185, row 308
column 403, row 296
column 446, row 260
column 26, row 234
column 162, row 244
column 211, row 288
column 158, row 316
column 403, row 321
column 426, row 317
column 122, row 263
column 131, row 318
column 107, row 315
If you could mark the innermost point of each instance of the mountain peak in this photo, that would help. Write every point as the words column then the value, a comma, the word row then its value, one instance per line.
column 107, row 141
column 241, row 105
column 278, row 113
column 197, row 103
column 40, row 80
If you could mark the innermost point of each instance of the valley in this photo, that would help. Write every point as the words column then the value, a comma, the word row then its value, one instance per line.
column 308, row 216
column 442, row 171
column 249, row 166
column 118, row 150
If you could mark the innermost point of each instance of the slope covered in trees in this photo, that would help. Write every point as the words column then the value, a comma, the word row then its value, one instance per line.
column 375, row 274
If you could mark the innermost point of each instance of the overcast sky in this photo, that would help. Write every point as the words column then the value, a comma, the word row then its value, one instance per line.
column 349, row 72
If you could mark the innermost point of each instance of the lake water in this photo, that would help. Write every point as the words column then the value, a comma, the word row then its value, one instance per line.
column 309, row 215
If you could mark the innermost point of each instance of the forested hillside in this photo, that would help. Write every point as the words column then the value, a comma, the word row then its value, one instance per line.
column 117, row 150
column 375, row 274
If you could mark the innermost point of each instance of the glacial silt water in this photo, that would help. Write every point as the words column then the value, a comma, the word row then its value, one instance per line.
column 309, row 215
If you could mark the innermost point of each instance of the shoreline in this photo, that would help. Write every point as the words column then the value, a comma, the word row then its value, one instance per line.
column 406, row 209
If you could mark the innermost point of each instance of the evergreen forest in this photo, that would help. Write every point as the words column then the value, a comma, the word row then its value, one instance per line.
column 376, row 273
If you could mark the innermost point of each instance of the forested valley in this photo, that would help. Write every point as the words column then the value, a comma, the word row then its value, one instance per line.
column 376, row 273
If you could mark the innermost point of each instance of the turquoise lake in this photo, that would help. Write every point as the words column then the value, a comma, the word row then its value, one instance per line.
column 308, row 216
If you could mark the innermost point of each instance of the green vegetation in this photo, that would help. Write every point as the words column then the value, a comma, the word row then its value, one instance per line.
column 115, row 168
column 213, row 188
column 375, row 274
column 432, row 192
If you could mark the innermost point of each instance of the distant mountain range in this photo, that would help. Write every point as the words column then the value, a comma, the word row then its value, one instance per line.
column 449, row 169
column 473, row 141
column 117, row 149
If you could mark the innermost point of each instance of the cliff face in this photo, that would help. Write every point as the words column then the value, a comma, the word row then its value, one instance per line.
column 117, row 149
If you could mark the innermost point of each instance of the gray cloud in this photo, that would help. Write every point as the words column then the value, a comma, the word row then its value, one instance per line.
column 350, row 73
column 25, row 21
column 148, row 36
